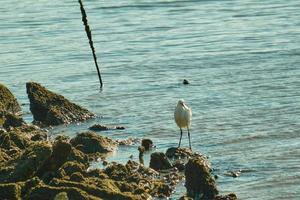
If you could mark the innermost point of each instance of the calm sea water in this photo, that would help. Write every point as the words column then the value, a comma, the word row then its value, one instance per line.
column 242, row 59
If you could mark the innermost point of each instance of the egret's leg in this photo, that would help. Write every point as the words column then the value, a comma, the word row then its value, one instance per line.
column 189, row 138
column 180, row 137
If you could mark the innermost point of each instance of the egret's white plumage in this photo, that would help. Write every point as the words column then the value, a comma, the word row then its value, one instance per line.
column 183, row 118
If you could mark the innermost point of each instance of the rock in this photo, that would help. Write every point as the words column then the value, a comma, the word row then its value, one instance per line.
column 199, row 182
column 11, row 120
column 60, row 153
column 233, row 174
column 10, row 109
column 72, row 167
column 77, row 177
column 230, row 196
column 104, row 189
column 4, row 157
column 90, row 142
column 128, row 142
column 99, row 127
column 180, row 165
column 10, row 191
column 8, row 102
column 30, row 161
column 41, row 136
column 46, row 192
column 147, row 144
column 178, row 153
column 61, row 196
column 159, row 161
column 78, row 156
column 50, row 108
column 185, row 82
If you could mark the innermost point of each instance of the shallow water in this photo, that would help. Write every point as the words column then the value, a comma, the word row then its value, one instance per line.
column 241, row 57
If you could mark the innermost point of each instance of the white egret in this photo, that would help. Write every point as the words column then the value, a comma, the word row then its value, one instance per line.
column 183, row 118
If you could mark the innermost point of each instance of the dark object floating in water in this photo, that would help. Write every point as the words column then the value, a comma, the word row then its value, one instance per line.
column 185, row 82
column 100, row 127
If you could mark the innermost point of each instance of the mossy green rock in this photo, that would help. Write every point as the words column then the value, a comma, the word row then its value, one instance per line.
column 30, row 161
column 46, row 192
column 10, row 109
column 199, row 182
column 10, row 191
column 90, row 142
column 50, row 108
column 8, row 102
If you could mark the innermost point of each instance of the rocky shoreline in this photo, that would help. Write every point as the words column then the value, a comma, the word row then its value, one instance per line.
column 34, row 167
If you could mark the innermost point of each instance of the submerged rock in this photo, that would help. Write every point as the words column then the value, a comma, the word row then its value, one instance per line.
column 90, row 142
column 199, row 182
column 100, row 127
column 50, row 108
column 159, row 161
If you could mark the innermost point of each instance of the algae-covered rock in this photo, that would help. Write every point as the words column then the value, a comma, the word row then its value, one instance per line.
column 199, row 182
column 230, row 196
column 10, row 191
column 30, row 161
column 60, row 154
column 69, row 168
column 178, row 153
column 10, row 109
column 159, row 161
column 61, row 196
column 104, row 189
column 8, row 102
column 11, row 120
column 90, row 142
column 46, row 192
column 50, row 108
column 78, row 156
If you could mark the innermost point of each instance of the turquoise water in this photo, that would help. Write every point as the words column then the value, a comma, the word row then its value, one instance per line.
column 242, row 59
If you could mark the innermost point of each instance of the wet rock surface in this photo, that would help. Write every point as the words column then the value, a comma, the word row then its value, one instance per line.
column 90, row 142
column 10, row 110
column 199, row 181
column 159, row 161
column 8, row 102
column 50, row 108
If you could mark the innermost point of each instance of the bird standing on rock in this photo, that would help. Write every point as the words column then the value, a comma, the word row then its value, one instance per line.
column 183, row 118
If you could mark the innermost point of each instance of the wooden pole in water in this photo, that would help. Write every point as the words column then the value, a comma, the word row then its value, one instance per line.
column 89, row 35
